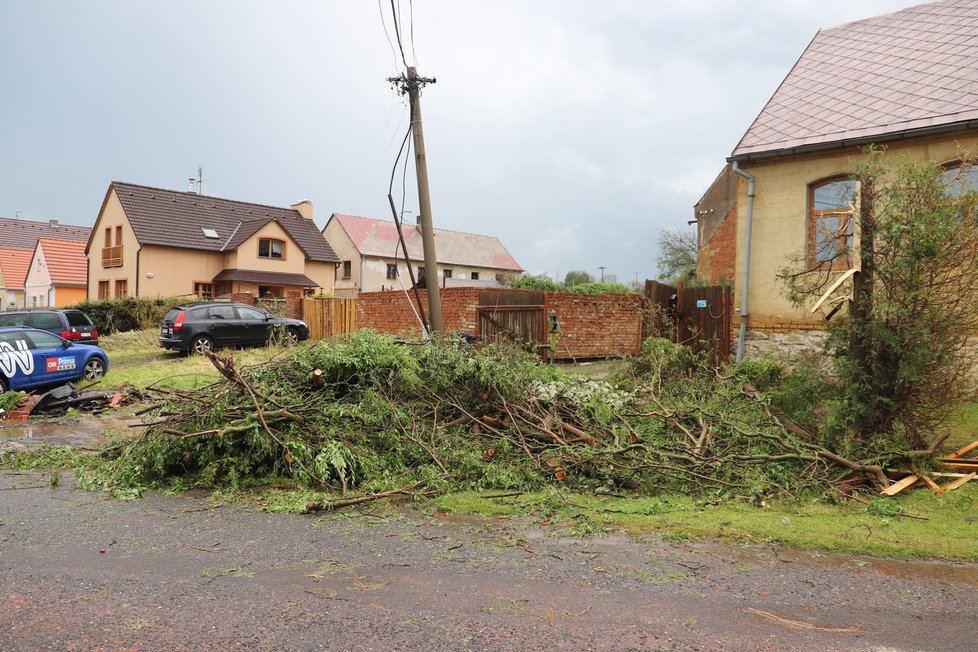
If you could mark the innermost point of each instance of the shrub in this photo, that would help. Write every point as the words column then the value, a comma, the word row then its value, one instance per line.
column 129, row 313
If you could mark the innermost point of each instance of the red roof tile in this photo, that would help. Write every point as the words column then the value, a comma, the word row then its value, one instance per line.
column 912, row 69
column 373, row 237
column 65, row 260
column 14, row 264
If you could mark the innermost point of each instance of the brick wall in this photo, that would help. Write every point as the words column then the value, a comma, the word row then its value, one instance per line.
column 600, row 325
column 293, row 304
column 597, row 325
column 717, row 258
column 243, row 297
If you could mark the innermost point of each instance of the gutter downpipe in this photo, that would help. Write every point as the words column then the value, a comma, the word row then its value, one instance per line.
column 745, row 285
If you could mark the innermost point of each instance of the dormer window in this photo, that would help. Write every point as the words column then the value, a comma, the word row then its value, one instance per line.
column 210, row 234
column 271, row 248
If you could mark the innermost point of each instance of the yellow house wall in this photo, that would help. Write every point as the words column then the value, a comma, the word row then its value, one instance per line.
column 111, row 216
column 174, row 271
column 293, row 260
column 779, row 229
column 68, row 296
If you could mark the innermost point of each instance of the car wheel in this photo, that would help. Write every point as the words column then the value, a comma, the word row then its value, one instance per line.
column 292, row 336
column 94, row 369
column 201, row 344
column 4, row 385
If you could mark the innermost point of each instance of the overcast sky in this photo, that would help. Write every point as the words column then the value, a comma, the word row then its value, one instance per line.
column 574, row 131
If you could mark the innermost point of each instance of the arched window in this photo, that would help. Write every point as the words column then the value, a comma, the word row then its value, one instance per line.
column 831, row 216
column 960, row 180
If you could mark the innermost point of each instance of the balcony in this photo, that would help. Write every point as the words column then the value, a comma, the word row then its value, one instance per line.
column 112, row 256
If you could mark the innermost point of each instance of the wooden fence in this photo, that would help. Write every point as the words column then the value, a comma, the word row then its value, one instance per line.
column 329, row 317
column 700, row 317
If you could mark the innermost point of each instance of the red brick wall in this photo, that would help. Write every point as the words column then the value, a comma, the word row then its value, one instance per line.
column 597, row 325
column 593, row 326
column 717, row 259
column 293, row 304
column 243, row 297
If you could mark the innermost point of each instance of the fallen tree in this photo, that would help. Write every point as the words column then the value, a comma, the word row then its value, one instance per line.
column 368, row 418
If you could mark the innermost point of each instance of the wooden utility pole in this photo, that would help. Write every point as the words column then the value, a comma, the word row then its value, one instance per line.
column 412, row 84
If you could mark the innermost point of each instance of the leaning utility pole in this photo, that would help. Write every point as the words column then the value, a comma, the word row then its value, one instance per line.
column 412, row 84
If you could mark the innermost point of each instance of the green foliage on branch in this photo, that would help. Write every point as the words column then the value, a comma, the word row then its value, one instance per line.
column 902, row 354
column 368, row 414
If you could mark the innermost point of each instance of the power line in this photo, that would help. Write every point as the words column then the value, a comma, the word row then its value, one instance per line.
column 397, row 32
column 380, row 7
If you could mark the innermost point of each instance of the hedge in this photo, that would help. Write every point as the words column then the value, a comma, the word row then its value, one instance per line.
column 129, row 313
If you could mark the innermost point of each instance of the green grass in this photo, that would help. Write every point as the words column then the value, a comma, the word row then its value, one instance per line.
column 848, row 528
column 136, row 359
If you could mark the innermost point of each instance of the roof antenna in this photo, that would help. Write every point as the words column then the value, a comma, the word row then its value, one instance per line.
column 199, row 181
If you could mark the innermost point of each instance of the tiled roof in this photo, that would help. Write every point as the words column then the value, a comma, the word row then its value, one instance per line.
column 23, row 234
column 14, row 265
column 270, row 278
column 169, row 218
column 65, row 260
column 915, row 69
column 374, row 237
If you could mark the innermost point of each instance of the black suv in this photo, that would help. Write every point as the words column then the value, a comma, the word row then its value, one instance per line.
column 73, row 325
column 199, row 327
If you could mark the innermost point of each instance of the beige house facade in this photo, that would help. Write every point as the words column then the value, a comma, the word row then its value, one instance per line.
column 152, row 242
column 372, row 259
column 787, row 197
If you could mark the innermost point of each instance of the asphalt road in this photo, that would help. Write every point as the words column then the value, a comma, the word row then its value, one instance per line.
column 79, row 571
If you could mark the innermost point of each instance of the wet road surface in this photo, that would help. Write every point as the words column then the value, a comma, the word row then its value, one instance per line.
column 79, row 571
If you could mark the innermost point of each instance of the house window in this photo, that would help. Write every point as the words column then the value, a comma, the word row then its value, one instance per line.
column 103, row 289
column 204, row 290
column 347, row 268
column 121, row 288
column 446, row 273
column 960, row 180
column 831, row 213
column 118, row 236
column 391, row 271
column 475, row 276
column 108, row 237
column 271, row 248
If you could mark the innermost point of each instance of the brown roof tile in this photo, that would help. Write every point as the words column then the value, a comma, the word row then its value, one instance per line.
column 23, row 234
column 170, row 218
column 912, row 69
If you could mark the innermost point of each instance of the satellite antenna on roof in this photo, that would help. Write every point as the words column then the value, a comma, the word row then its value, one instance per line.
column 199, row 181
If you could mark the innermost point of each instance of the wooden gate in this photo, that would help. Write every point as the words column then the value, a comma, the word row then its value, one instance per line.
column 329, row 317
column 700, row 317
column 511, row 316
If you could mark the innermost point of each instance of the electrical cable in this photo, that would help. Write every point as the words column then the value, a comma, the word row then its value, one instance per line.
column 397, row 223
column 380, row 7
column 397, row 32
column 413, row 53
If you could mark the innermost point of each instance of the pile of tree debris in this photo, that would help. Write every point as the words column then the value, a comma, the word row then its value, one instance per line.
column 366, row 417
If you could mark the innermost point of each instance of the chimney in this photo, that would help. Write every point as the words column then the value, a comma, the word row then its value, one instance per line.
column 304, row 207
column 53, row 224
